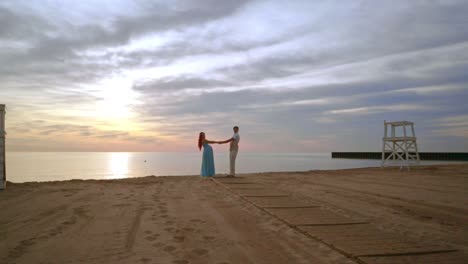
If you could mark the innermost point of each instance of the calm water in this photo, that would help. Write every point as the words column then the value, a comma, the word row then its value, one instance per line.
column 52, row 166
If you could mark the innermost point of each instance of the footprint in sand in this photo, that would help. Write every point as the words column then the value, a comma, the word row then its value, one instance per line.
column 53, row 233
column 188, row 229
column 152, row 238
column 169, row 248
column 148, row 232
column 170, row 222
column 28, row 242
column 147, row 207
column 169, row 229
column 197, row 221
column 120, row 205
column 164, row 216
column 179, row 239
column 180, row 261
column 200, row 251
column 69, row 222
column 208, row 238
column 144, row 260
column 43, row 237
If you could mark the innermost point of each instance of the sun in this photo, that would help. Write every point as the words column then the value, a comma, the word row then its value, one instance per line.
column 114, row 107
column 116, row 96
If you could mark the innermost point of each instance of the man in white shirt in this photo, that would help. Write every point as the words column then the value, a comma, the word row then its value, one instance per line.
column 233, row 149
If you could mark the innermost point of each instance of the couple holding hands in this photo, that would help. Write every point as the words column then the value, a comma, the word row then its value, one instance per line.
column 208, row 167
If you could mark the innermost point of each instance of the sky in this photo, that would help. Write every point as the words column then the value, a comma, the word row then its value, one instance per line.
column 295, row 76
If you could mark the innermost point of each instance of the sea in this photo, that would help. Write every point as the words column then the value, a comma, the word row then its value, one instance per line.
column 59, row 166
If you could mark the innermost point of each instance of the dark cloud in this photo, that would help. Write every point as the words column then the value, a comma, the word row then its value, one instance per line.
column 17, row 26
column 177, row 84
column 53, row 53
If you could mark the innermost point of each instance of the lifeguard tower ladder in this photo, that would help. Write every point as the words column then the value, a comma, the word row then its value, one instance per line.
column 2, row 148
column 401, row 148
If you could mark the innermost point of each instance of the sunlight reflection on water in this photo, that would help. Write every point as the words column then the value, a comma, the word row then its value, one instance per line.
column 118, row 165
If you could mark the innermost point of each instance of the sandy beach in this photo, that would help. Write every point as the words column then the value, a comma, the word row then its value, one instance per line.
column 370, row 215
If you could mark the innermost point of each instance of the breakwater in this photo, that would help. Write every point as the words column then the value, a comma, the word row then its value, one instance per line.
column 454, row 156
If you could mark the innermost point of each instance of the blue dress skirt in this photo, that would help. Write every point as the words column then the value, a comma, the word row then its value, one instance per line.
column 207, row 168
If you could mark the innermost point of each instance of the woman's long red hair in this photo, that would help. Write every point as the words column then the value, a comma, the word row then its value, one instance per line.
column 200, row 140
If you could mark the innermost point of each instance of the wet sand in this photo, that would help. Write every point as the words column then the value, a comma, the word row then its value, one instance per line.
column 187, row 219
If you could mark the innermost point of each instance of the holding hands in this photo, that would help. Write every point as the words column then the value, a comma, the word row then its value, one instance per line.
column 222, row 142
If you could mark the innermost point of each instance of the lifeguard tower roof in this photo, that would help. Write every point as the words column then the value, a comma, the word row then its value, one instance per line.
column 400, row 123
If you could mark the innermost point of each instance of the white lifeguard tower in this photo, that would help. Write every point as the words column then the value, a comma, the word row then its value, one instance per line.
column 2, row 148
column 402, row 147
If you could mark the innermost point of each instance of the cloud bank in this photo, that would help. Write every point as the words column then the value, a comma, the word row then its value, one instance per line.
column 300, row 76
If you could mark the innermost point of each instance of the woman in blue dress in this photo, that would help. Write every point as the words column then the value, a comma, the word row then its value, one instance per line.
column 207, row 168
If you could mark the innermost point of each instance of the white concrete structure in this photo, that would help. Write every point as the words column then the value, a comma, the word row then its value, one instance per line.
column 2, row 148
column 401, row 146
